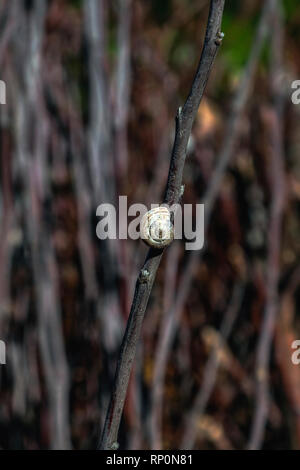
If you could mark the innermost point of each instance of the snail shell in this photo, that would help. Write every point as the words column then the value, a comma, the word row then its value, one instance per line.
column 156, row 227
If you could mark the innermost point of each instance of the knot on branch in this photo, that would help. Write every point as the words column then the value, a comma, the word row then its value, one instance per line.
column 144, row 276
column 179, row 121
column 115, row 446
column 219, row 38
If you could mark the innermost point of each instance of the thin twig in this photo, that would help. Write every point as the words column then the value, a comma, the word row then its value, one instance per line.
column 211, row 370
column 28, row 103
column 273, row 264
column 171, row 321
column 123, row 85
column 184, row 122
column 171, row 270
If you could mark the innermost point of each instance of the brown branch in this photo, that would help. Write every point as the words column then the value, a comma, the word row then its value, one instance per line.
column 99, row 128
column 171, row 321
column 123, row 85
column 171, row 270
column 211, row 370
column 30, row 157
column 7, row 32
column 276, row 216
column 285, row 334
column 101, row 166
column 184, row 122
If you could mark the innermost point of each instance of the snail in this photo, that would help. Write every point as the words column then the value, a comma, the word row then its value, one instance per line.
column 219, row 38
column 157, row 229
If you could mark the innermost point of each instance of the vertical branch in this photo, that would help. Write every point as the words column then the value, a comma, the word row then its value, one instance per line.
column 7, row 32
column 6, row 212
column 123, row 82
column 84, row 204
column 276, row 216
column 121, row 114
column 210, row 371
column 157, row 395
column 171, row 320
column 29, row 111
column 99, row 144
column 184, row 122
column 186, row 115
column 99, row 129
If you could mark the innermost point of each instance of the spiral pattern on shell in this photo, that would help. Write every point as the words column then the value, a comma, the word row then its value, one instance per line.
column 156, row 227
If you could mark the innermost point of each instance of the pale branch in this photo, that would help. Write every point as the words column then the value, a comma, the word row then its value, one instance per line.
column 278, row 193
column 184, row 122
column 210, row 372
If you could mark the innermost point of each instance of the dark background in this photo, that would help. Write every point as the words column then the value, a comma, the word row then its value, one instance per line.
column 92, row 91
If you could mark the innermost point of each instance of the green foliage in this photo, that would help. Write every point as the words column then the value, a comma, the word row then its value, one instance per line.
column 161, row 11
column 291, row 9
column 183, row 52
column 238, row 39
column 76, row 3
